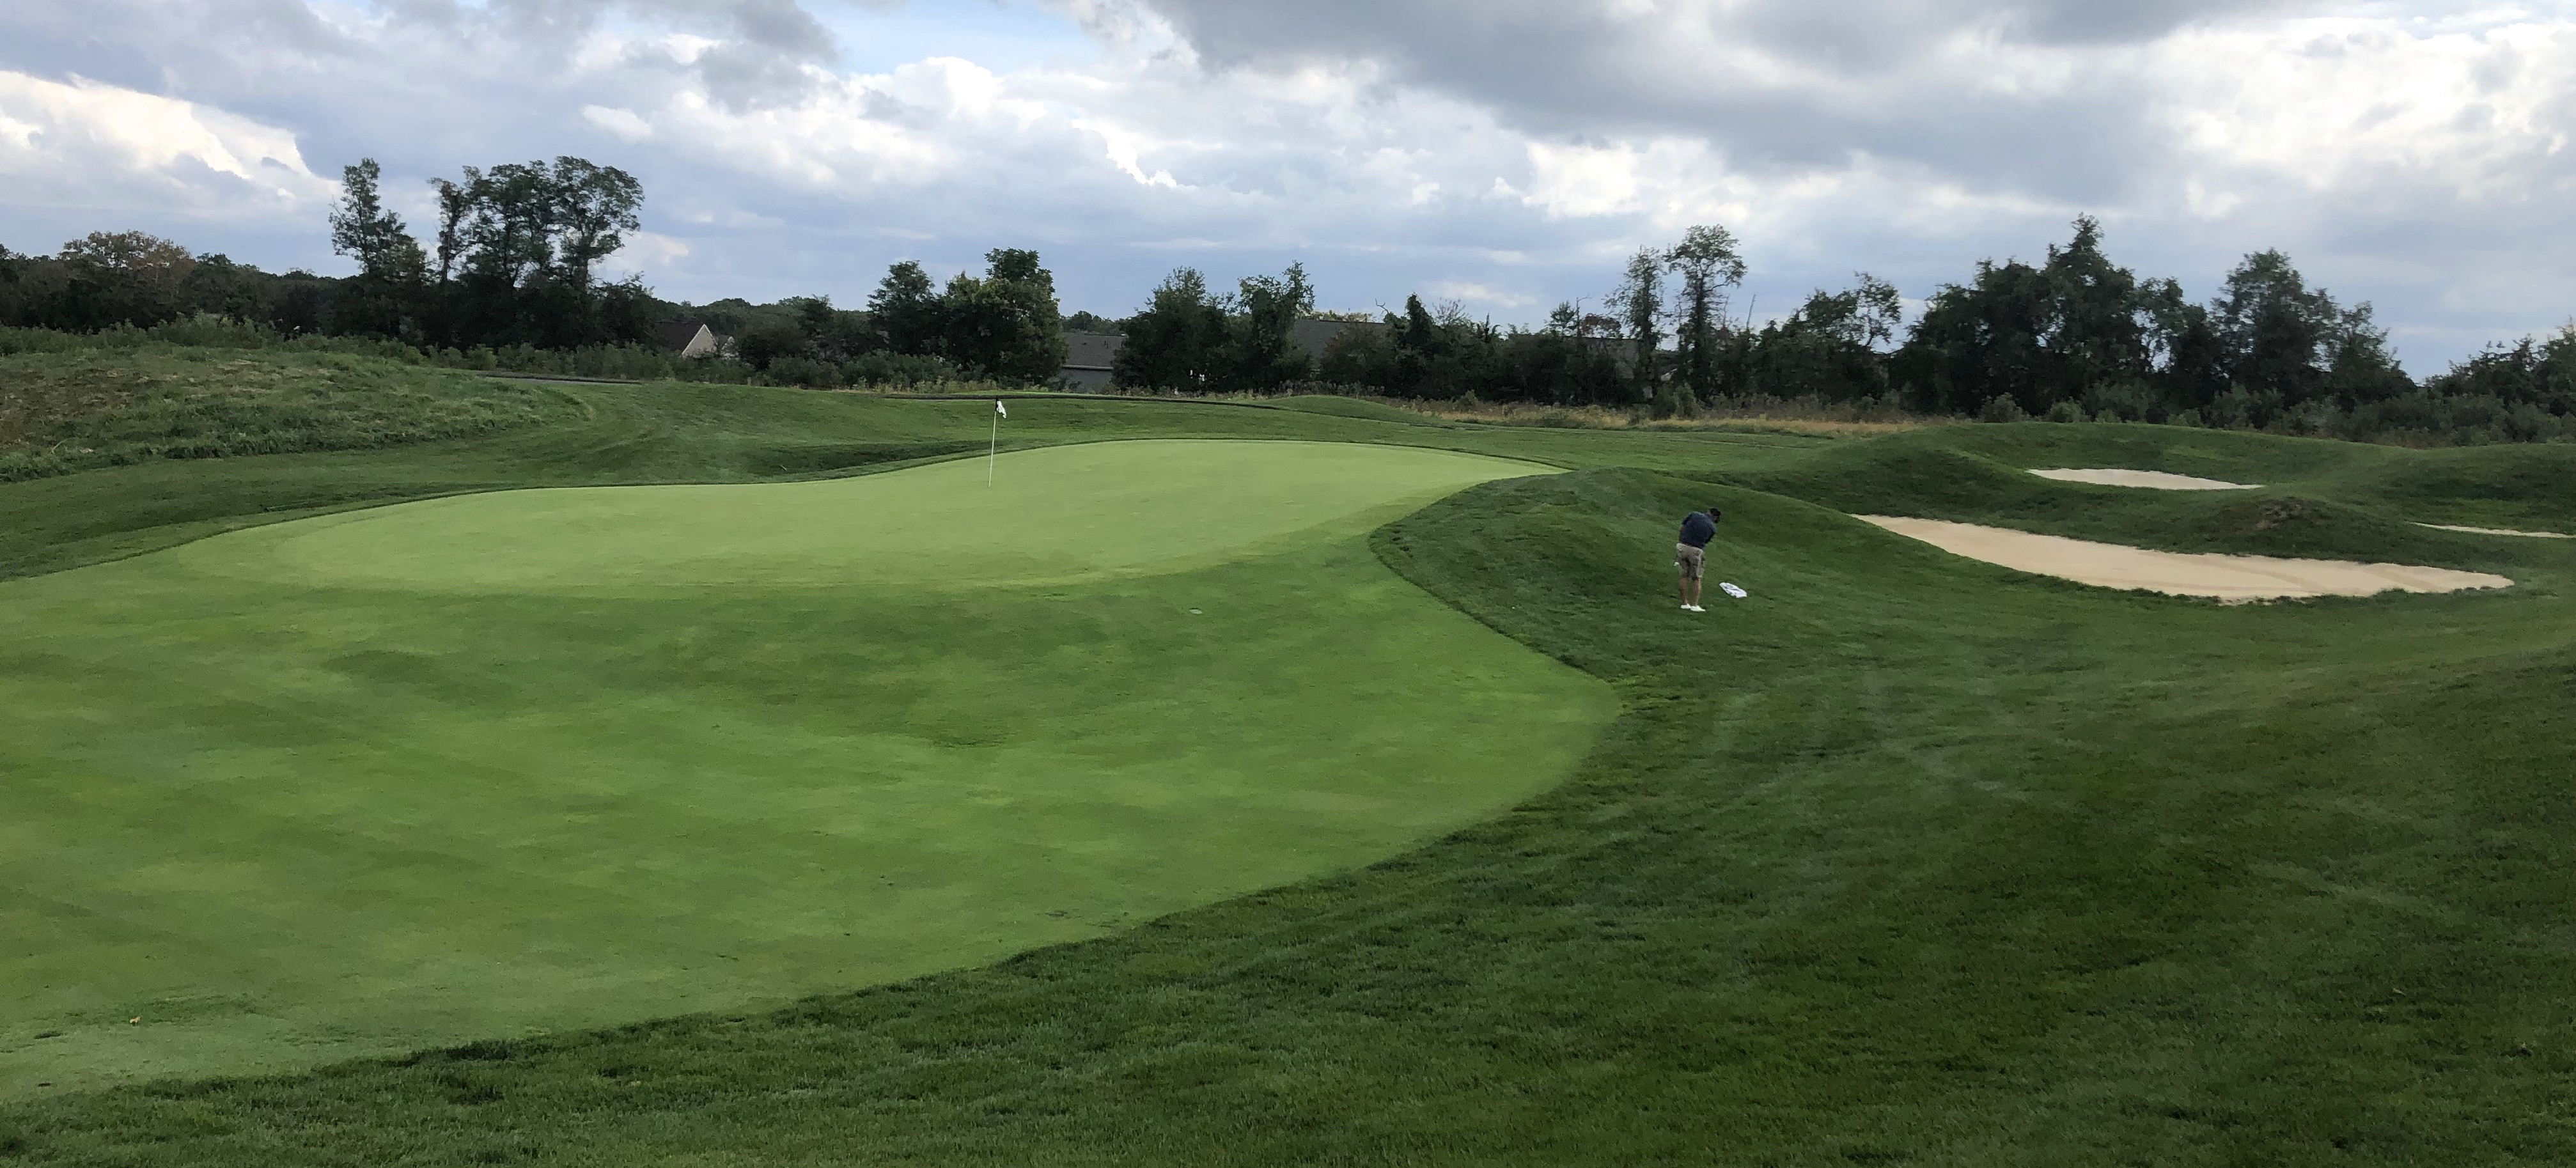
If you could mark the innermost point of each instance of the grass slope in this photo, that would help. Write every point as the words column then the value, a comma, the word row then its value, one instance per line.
column 708, row 434
column 1908, row 859
column 2332, row 500
column 62, row 412
column 524, row 761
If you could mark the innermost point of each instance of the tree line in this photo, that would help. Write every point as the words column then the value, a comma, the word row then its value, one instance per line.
column 512, row 267
column 1002, row 324
column 513, row 261
column 2076, row 337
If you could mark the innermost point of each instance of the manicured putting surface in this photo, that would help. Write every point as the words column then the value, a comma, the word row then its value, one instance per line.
column 550, row 759
column 1059, row 514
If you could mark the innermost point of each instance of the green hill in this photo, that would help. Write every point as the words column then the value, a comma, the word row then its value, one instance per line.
column 1904, row 859
column 521, row 761
column 63, row 412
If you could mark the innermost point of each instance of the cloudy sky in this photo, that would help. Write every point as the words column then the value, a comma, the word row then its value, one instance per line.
column 1502, row 153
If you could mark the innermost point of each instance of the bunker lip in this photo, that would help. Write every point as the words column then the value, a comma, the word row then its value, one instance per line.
column 2224, row 577
column 2498, row 531
column 2155, row 480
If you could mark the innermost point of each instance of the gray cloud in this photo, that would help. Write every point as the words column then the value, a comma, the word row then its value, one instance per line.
column 1507, row 152
column 1777, row 83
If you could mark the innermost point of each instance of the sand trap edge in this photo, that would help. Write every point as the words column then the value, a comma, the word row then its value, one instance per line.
column 2207, row 574
column 2153, row 480
column 2499, row 531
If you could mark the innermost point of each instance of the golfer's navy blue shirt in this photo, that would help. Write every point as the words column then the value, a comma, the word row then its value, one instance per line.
column 1698, row 529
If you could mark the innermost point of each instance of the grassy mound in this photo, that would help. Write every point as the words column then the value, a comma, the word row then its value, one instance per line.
column 62, row 412
column 1352, row 407
column 2523, row 487
column 2316, row 499
column 544, row 759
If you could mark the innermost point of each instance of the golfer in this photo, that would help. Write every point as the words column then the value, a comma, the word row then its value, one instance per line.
column 1691, row 554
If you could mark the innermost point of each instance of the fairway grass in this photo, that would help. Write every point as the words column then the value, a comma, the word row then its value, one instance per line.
column 1906, row 859
column 517, row 762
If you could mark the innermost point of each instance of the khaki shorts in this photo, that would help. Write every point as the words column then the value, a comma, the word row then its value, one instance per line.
column 1692, row 561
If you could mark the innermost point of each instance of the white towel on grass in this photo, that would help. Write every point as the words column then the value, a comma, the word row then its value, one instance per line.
column 1730, row 589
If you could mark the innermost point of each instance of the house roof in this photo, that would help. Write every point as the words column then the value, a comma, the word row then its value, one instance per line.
column 1091, row 350
column 677, row 334
column 1314, row 336
column 1100, row 350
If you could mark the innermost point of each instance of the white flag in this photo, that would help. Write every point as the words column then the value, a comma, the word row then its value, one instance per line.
column 997, row 408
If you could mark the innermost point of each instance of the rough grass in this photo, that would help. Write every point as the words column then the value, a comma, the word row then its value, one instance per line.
column 1757, row 416
column 2312, row 498
column 69, row 411
column 1775, row 416
column 1905, row 860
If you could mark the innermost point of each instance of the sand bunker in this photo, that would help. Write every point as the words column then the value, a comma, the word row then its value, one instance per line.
column 2498, row 531
column 2176, row 573
column 2152, row 479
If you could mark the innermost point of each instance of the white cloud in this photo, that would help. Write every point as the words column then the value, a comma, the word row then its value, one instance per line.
column 111, row 148
column 1505, row 152
column 1470, row 292
column 2328, row 104
column 625, row 124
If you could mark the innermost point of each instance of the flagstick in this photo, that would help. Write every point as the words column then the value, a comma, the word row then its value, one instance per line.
column 996, row 450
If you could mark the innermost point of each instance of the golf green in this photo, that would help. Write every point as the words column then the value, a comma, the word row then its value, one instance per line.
column 497, row 764
column 1056, row 514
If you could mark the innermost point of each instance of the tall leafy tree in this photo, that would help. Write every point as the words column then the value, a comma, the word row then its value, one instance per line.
column 905, row 311
column 1639, row 302
column 1006, row 323
column 362, row 228
column 2360, row 369
column 2282, row 339
column 2535, row 373
column 1424, row 351
column 594, row 207
column 2273, row 328
column 1979, row 340
column 122, row 277
column 518, row 249
column 2184, row 347
column 1561, row 364
column 390, row 264
column 2097, row 331
column 512, row 229
column 1704, row 265
column 1260, row 351
column 1830, row 347
column 455, row 206
column 1174, row 343
column 2078, row 328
